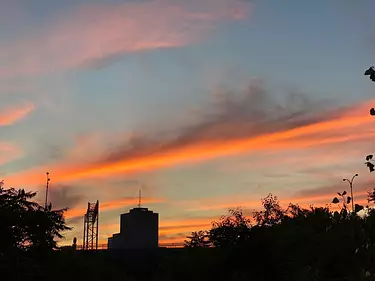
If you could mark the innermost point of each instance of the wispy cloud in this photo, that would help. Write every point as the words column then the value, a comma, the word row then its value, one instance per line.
column 185, row 225
column 8, row 152
column 63, row 196
column 320, row 196
column 107, row 31
column 252, row 123
column 13, row 114
column 360, row 188
column 112, row 205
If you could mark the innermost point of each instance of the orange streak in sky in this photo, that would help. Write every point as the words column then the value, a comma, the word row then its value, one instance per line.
column 112, row 205
column 166, row 228
column 185, row 228
column 204, row 150
column 165, row 224
column 10, row 116
column 172, row 240
column 305, row 202
column 201, row 151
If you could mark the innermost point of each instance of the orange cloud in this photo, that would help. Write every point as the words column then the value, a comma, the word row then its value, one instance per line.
column 317, row 198
column 199, row 151
column 11, row 115
column 112, row 205
column 175, row 231
column 177, row 239
column 316, row 134
column 107, row 31
column 184, row 228
column 169, row 231
column 184, row 225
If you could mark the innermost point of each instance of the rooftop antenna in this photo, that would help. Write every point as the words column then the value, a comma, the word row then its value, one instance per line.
column 47, row 185
column 139, row 198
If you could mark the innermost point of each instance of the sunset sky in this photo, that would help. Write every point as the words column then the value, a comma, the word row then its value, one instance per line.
column 203, row 104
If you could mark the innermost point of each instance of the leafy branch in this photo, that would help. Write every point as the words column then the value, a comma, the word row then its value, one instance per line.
column 345, row 200
column 371, row 72
column 370, row 163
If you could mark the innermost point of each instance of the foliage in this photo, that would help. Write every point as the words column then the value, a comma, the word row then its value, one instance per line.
column 371, row 73
column 27, row 226
column 232, row 230
column 345, row 200
column 371, row 196
column 272, row 213
column 369, row 158
column 370, row 163
column 198, row 239
column 299, row 244
column 276, row 244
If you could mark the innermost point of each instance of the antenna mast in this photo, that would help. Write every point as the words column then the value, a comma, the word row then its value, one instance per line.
column 47, row 185
column 139, row 198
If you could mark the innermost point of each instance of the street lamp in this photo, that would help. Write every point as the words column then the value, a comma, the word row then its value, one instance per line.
column 351, row 188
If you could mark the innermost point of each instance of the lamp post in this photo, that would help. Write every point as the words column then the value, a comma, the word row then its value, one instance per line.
column 351, row 188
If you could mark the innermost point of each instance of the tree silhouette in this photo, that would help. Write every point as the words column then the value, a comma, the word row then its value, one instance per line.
column 27, row 226
column 371, row 196
column 371, row 73
column 198, row 239
column 370, row 163
column 272, row 213
column 345, row 200
column 232, row 230
column 369, row 158
column 297, row 243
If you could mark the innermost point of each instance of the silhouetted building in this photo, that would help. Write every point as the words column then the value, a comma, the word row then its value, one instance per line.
column 139, row 229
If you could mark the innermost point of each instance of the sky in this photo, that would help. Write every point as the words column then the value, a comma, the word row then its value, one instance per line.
column 204, row 105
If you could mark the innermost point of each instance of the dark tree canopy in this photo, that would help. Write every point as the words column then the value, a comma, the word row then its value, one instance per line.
column 297, row 243
column 230, row 231
column 27, row 226
column 271, row 214
column 198, row 239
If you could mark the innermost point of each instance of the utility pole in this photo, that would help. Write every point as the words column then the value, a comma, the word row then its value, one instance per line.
column 47, row 186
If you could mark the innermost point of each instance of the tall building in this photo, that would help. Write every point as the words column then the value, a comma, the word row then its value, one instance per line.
column 139, row 229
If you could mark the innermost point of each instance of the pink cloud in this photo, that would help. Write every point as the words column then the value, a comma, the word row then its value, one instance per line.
column 11, row 115
column 198, row 147
column 94, row 33
column 8, row 152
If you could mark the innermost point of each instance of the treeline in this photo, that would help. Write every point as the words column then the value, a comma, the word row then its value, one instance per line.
column 294, row 243
column 28, row 244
